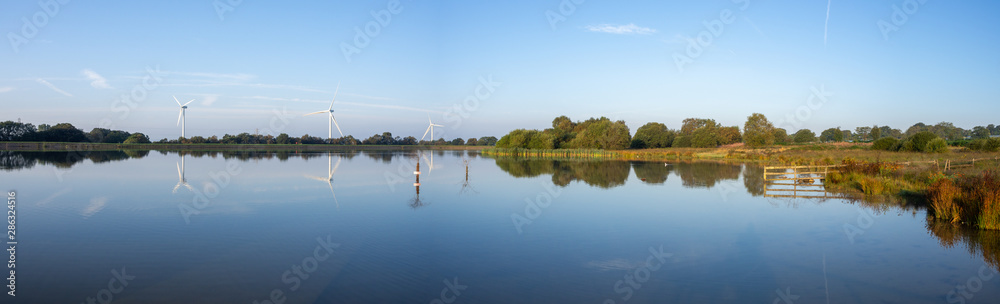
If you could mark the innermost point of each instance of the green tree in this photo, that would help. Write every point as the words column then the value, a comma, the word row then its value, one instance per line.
column 729, row 135
column 653, row 135
column 691, row 124
column 804, row 136
column 16, row 131
column 137, row 138
column 564, row 124
column 515, row 139
column 980, row 132
column 63, row 132
column 780, row 136
column 876, row 132
column 457, row 142
column 919, row 141
column 705, row 137
column 759, row 132
column 832, row 135
column 472, row 142
column 488, row 141
column 863, row 133
column 282, row 139
column 617, row 137
column 848, row 135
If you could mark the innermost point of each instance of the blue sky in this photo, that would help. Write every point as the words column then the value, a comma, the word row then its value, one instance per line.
column 598, row 58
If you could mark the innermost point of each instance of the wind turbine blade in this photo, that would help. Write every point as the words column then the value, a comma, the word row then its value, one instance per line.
column 429, row 119
column 176, row 187
column 179, row 115
column 335, row 96
column 334, row 196
column 189, row 187
column 189, row 102
column 180, row 176
column 316, row 178
column 336, row 125
column 425, row 132
column 314, row 113
column 335, row 166
column 178, row 101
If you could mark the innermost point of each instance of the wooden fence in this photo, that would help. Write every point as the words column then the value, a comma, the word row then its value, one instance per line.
column 802, row 181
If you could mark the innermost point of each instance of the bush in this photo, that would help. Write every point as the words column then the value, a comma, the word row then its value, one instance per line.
column 937, row 145
column 985, row 145
column 943, row 195
column 918, row 142
column 886, row 144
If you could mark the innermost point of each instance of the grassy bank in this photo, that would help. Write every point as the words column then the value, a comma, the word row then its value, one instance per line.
column 64, row 147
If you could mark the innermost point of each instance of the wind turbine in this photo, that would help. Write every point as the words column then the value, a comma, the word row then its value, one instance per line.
column 180, row 176
column 182, row 116
column 430, row 128
column 330, row 169
column 332, row 121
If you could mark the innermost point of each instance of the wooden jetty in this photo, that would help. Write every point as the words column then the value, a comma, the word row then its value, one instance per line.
column 797, row 181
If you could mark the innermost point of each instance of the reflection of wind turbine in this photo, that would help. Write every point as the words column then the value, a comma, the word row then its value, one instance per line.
column 329, row 177
column 430, row 161
column 180, row 176
column 430, row 128
column 332, row 121
column 182, row 117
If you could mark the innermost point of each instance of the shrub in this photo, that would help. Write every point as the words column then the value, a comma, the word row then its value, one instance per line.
column 937, row 145
column 985, row 145
column 886, row 144
column 983, row 193
column 943, row 195
column 918, row 142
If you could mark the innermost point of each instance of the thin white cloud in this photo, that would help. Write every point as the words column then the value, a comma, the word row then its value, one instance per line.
column 96, row 80
column 826, row 26
column 208, row 99
column 53, row 87
column 230, row 76
column 6, row 89
column 629, row 29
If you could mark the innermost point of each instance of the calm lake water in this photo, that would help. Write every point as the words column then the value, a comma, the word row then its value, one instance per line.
column 259, row 227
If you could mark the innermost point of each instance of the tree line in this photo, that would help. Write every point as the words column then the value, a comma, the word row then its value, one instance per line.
column 758, row 131
column 65, row 132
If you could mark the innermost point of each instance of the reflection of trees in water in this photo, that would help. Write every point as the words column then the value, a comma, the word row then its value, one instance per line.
column 16, row 160
column 652, row 172
column 609, row 174
column 985, row 243
column 11, row 160
column 753, row 179
column 604, row 174
column 705, row 174
column 383, row 156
